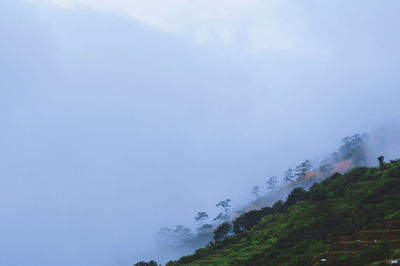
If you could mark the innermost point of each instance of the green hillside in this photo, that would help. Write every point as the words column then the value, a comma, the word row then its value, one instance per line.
column 350, row 219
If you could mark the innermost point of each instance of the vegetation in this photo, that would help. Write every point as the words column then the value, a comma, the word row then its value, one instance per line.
column 150, row 263
column 302, row 169
column 271, row 182
column 225, row 204
column 201, row 217
column 288, row 176
column 349, row 219
column 222, row 232
column 255, row 191
column 326, row 224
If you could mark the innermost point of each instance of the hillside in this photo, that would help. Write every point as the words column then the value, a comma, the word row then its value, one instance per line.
column 349, row 219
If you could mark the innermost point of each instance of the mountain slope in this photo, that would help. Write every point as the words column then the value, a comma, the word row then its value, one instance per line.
column 351, row 219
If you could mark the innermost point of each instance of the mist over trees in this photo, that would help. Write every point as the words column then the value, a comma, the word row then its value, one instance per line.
column 302, row 169
column 256, row 191
column 201, row 217
column 318, row 225
column 271, row 182
column 150, row 263
column 293, row 183
column 288, row 176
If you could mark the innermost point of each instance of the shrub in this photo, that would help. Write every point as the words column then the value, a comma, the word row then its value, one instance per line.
column 318, row 192
column 222, row 231
column 247, row 221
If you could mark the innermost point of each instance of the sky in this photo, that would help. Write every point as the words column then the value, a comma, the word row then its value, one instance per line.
column 121, row 117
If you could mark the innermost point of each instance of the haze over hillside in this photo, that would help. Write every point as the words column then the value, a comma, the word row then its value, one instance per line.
column 121, row 117
column 354, row 151
column 349, row 219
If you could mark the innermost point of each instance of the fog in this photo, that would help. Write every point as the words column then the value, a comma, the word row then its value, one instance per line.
column 112, row 129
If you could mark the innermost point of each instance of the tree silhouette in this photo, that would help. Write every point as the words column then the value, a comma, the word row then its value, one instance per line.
column 249, row 219
column 289, row 176
column 271, row 182
column 143, row 263
column 255, row 191
column 353, row 148
column 302, row 169
column 297, row 195
column 226, row 206
column 201, row 217
column 327, row 169
column 222, row 232
column 381, row 160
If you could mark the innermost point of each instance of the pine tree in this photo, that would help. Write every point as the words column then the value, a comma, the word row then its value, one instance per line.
column 271, row 182
column 288, row 177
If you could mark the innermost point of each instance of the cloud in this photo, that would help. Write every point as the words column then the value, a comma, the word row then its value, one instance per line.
column 254, row 25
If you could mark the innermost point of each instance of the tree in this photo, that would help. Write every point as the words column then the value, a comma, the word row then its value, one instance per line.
column 201, row 217
column 381, row 160
column 351, row 143
column 174, row 237
column 297, row 195
column 318, row 192
column 302, row 169
column 353, row 148
column 278, row 207
column 327, row 169
column 205, row 228
column 289, row 176
column 271, row 182
column 249, row 219
column 222, row 232
column 150, row 263
column 222, row 216
column 226, row 206
column 255, row 191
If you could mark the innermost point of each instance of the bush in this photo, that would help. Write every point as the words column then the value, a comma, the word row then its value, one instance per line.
column 304, row 260
column 247, row 221
column 378, row 252
column 222, row 232
column 297, row 195
column 318, row 192
column 278, row 207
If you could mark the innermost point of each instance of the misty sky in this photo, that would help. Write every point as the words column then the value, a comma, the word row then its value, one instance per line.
column 120, row 117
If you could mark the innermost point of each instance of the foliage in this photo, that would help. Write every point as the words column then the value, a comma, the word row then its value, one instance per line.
column 271, row 182
column 318, row 192
column 205, row 228
column 353, row 148
column 255, row 191
column 222, row 231
column 225, row 204
column 288, row 176
column 302, row 169
column 201, row 217
column 150, row 263
column 325, row 222
column 246, row 221
column 297, row 195
column 279, row 206
column 327, row 169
